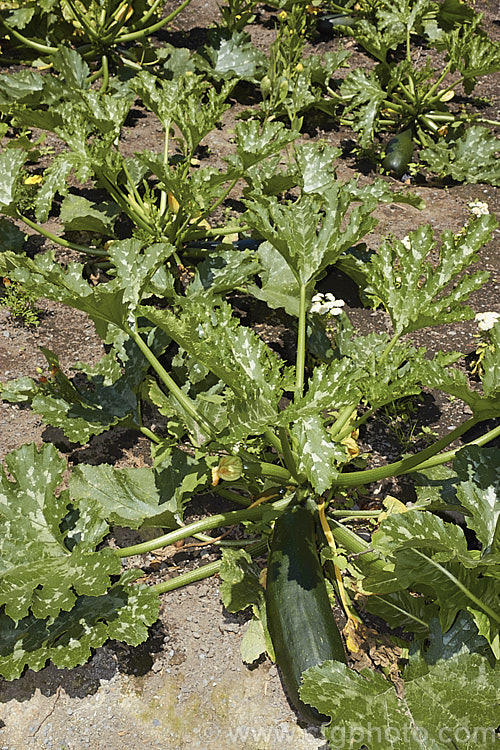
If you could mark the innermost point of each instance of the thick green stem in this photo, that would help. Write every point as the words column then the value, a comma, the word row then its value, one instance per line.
column 233, row 497
column 219, row 200
column 430, row 93
column 495, row 123
column 407, row 94
column 91, row 79
column 288, row 456
column 43, row 48
column 450, row 455
column 149, row 434
column 60, row 241
column 404, row 465
column 145, row 18
column 408, row 47
column 392, row 105
column 187, row 404
column 164, row 193
column 105, row 75
column 184, row 579
column 353, row 543
column 262, row 469
column 429, row 124
column 342, row 420
column 141, row 33
column 82, row 20
column 390, row 346
column 273, row 440
column 351, row 515
column 301, row 344
column 202, row 234
column 137, row 198
column 442, row 117
column 133, row 212
column 230, row 518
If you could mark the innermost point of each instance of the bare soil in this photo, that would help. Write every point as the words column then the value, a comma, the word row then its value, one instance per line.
column 186, row 687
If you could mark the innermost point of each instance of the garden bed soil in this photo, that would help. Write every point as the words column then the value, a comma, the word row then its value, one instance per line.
column 186, row 686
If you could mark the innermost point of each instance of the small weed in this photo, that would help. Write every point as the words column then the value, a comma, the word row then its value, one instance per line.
column 21, row 303
column 401, row 417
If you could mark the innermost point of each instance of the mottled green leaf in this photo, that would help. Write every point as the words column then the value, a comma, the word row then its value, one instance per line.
column 315, row 163
column 279, row 287
column 234, row 57
column 233, row 353
column 20, row 87
column 453, row 585
column 402, row 610
column 240, row 587
column 11, row 162
column 421, row 529
column 123, row 613
column 133, row 497
column 104, row 303
column 311, row 233
column 223, row 271
column 136, row 265
column 11, row 238
column 462, row 636
column 318, row 455
column 478, row 490
column 81, row 215
column 491, row 364
column 451, row 703
column 39, row 570
column 330, row 388
column 72, row 66
column 471, row 158
column 255, row 141
column 415, row 292
column 364, row 94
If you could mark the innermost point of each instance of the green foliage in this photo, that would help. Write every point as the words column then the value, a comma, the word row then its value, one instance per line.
column 105, row 30
column 219, row 392
column 413, row 291
column 432, row 556
column 433, row 707
column 473, row 157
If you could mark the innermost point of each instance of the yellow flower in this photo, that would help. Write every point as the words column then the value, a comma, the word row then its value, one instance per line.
column 352, row 447
column 230, row 468
column 283, row 15
column 123, row 13
column 173, row 203
column 34, row 179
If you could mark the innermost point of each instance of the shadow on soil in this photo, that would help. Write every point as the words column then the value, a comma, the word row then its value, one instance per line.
column 85, row 680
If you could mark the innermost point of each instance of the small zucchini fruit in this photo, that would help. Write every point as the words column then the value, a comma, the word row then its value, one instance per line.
column 399, row 152
column 327, row 22
column 299, row 615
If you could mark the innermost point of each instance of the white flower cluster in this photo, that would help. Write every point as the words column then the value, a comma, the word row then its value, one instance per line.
column 486, row 320
column 326, row 303
column 479, row 208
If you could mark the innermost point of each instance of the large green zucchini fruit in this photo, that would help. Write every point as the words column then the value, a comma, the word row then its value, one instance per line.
column 299, row 615
column 399, row 152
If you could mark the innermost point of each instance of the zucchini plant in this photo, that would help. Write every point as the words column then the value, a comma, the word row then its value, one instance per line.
column 415, row 102
column 278, row 462
column 102, row 31
column 166, row 196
